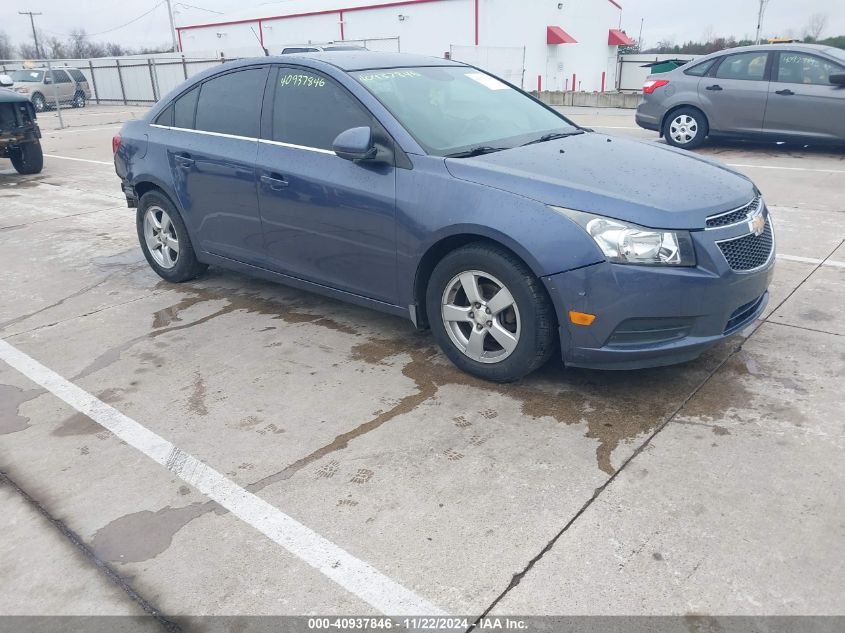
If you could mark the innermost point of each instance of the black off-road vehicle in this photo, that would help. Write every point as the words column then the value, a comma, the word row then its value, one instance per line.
column 19, row 133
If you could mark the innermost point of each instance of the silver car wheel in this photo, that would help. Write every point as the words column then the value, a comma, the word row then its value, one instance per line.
column 683, row 129
column 480, row 316
column 160, row 236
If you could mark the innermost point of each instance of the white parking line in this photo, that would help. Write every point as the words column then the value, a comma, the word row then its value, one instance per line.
column 85, row 129
column 812, row 260
column 81, row 160
column 356, row 576
column 825, row 171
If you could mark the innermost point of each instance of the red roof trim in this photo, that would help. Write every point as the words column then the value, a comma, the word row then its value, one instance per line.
column 556, row 35
column 307, row 14
column 615, row 37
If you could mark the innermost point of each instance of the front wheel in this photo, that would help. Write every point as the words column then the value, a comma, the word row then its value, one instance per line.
column 685, row 128
column 27, row 158
column 164, row 239
column 489, row 314
column 38, row 102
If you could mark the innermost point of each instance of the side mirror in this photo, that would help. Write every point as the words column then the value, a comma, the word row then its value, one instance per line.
column 6, row 81
column 837, row 80
column 355, row 144
column 48, row 79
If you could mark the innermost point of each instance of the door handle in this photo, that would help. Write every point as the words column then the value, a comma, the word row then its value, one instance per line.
column 185, row 162
column 274, row 181
column 785, row 91
column 714, row 87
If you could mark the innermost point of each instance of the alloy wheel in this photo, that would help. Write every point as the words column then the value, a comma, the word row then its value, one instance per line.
column 161, row 237
column 480, row 316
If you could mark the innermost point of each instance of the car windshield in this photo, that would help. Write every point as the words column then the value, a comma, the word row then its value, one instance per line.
column 836, row 53
column 461, row 111
column 28, row 75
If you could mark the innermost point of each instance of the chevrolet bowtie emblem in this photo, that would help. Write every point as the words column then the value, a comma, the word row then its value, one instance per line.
column 757, row 224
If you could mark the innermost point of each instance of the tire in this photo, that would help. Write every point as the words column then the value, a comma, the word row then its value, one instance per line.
column 78, row 100
column 686, row 128
column 27, row 158
column 39, row 102
column 472, row 342
column 167, row 246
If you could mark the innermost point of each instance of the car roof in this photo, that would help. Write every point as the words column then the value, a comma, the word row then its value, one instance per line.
column 355, row 60
column 793, row 46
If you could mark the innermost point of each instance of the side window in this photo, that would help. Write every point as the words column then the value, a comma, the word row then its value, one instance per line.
column 800, row 68
column 310, row 109
column 166, row 116
column 231, row 103
column 77, row 75
column 699, row 70
column 184, row 108
column 747, row 66
column 61, row 77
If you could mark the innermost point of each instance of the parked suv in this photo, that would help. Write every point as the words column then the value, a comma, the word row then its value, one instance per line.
column 36, row 84
column 19, row 133
column 777, row 92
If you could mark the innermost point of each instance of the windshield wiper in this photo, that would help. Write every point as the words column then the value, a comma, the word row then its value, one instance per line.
column 552, row 136
column 476, row 151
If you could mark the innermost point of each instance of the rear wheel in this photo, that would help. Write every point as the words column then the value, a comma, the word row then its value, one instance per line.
column 164, row 239
column 27, row 158
column 489, row 314
column 685, row 128
column 78, row 100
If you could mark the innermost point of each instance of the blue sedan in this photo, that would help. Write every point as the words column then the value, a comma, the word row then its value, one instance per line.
column 433, row 190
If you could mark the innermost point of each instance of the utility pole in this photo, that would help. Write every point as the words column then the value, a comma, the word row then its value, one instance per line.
column 34, row 34
column 172, row 26
column 762, row 9
column 640, row 38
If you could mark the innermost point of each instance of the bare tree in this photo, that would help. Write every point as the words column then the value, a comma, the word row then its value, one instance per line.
column 27, row 51
column 816, row 26
column 709, row 34
column 78, row 46
column 6, row 48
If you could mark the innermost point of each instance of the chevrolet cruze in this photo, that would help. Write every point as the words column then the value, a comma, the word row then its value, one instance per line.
column 433, row 190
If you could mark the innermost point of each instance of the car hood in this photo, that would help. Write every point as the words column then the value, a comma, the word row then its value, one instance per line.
column 642, row 182
column 8, row 96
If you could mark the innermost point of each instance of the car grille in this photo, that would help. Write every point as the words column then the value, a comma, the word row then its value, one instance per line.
column 749, row 251
column 742, row 314
column 733, row 217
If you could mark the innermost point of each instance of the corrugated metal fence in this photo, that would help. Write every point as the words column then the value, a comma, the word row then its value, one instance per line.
column 128, row 79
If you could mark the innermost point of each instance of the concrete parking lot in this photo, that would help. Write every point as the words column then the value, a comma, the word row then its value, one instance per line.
column 343, row 466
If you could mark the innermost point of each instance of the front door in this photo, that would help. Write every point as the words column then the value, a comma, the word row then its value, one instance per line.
column 212, row 158
column 326, row 220
column 733, row 96
column 802, row 101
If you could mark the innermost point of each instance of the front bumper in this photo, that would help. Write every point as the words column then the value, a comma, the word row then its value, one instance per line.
column 649, row 316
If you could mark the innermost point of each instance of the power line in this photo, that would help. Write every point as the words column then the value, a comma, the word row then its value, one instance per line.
column 132, row 21
column 191, row 6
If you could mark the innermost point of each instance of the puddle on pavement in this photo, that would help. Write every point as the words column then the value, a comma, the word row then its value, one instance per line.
column 11, row 399
column 144, row 535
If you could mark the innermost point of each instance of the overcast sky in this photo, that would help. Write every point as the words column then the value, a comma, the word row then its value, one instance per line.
column 677, row 20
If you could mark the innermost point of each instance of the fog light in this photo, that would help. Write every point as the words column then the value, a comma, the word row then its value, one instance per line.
column 581, row 318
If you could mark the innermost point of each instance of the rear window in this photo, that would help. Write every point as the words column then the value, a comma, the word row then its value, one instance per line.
column 231, row 103
column 77, row 75
column 699, row 70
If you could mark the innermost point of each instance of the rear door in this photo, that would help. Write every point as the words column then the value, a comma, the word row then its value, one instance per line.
column 733, row 94
column 802, row 101
column 212, row 149
column 326, row 220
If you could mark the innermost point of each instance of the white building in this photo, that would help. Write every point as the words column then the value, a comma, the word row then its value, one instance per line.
column 534, row 43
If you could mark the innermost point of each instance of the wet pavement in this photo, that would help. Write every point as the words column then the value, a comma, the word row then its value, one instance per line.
column 713, row 487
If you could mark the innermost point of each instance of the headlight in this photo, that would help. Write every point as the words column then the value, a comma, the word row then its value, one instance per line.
column 23, row 91
column 626, row 243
